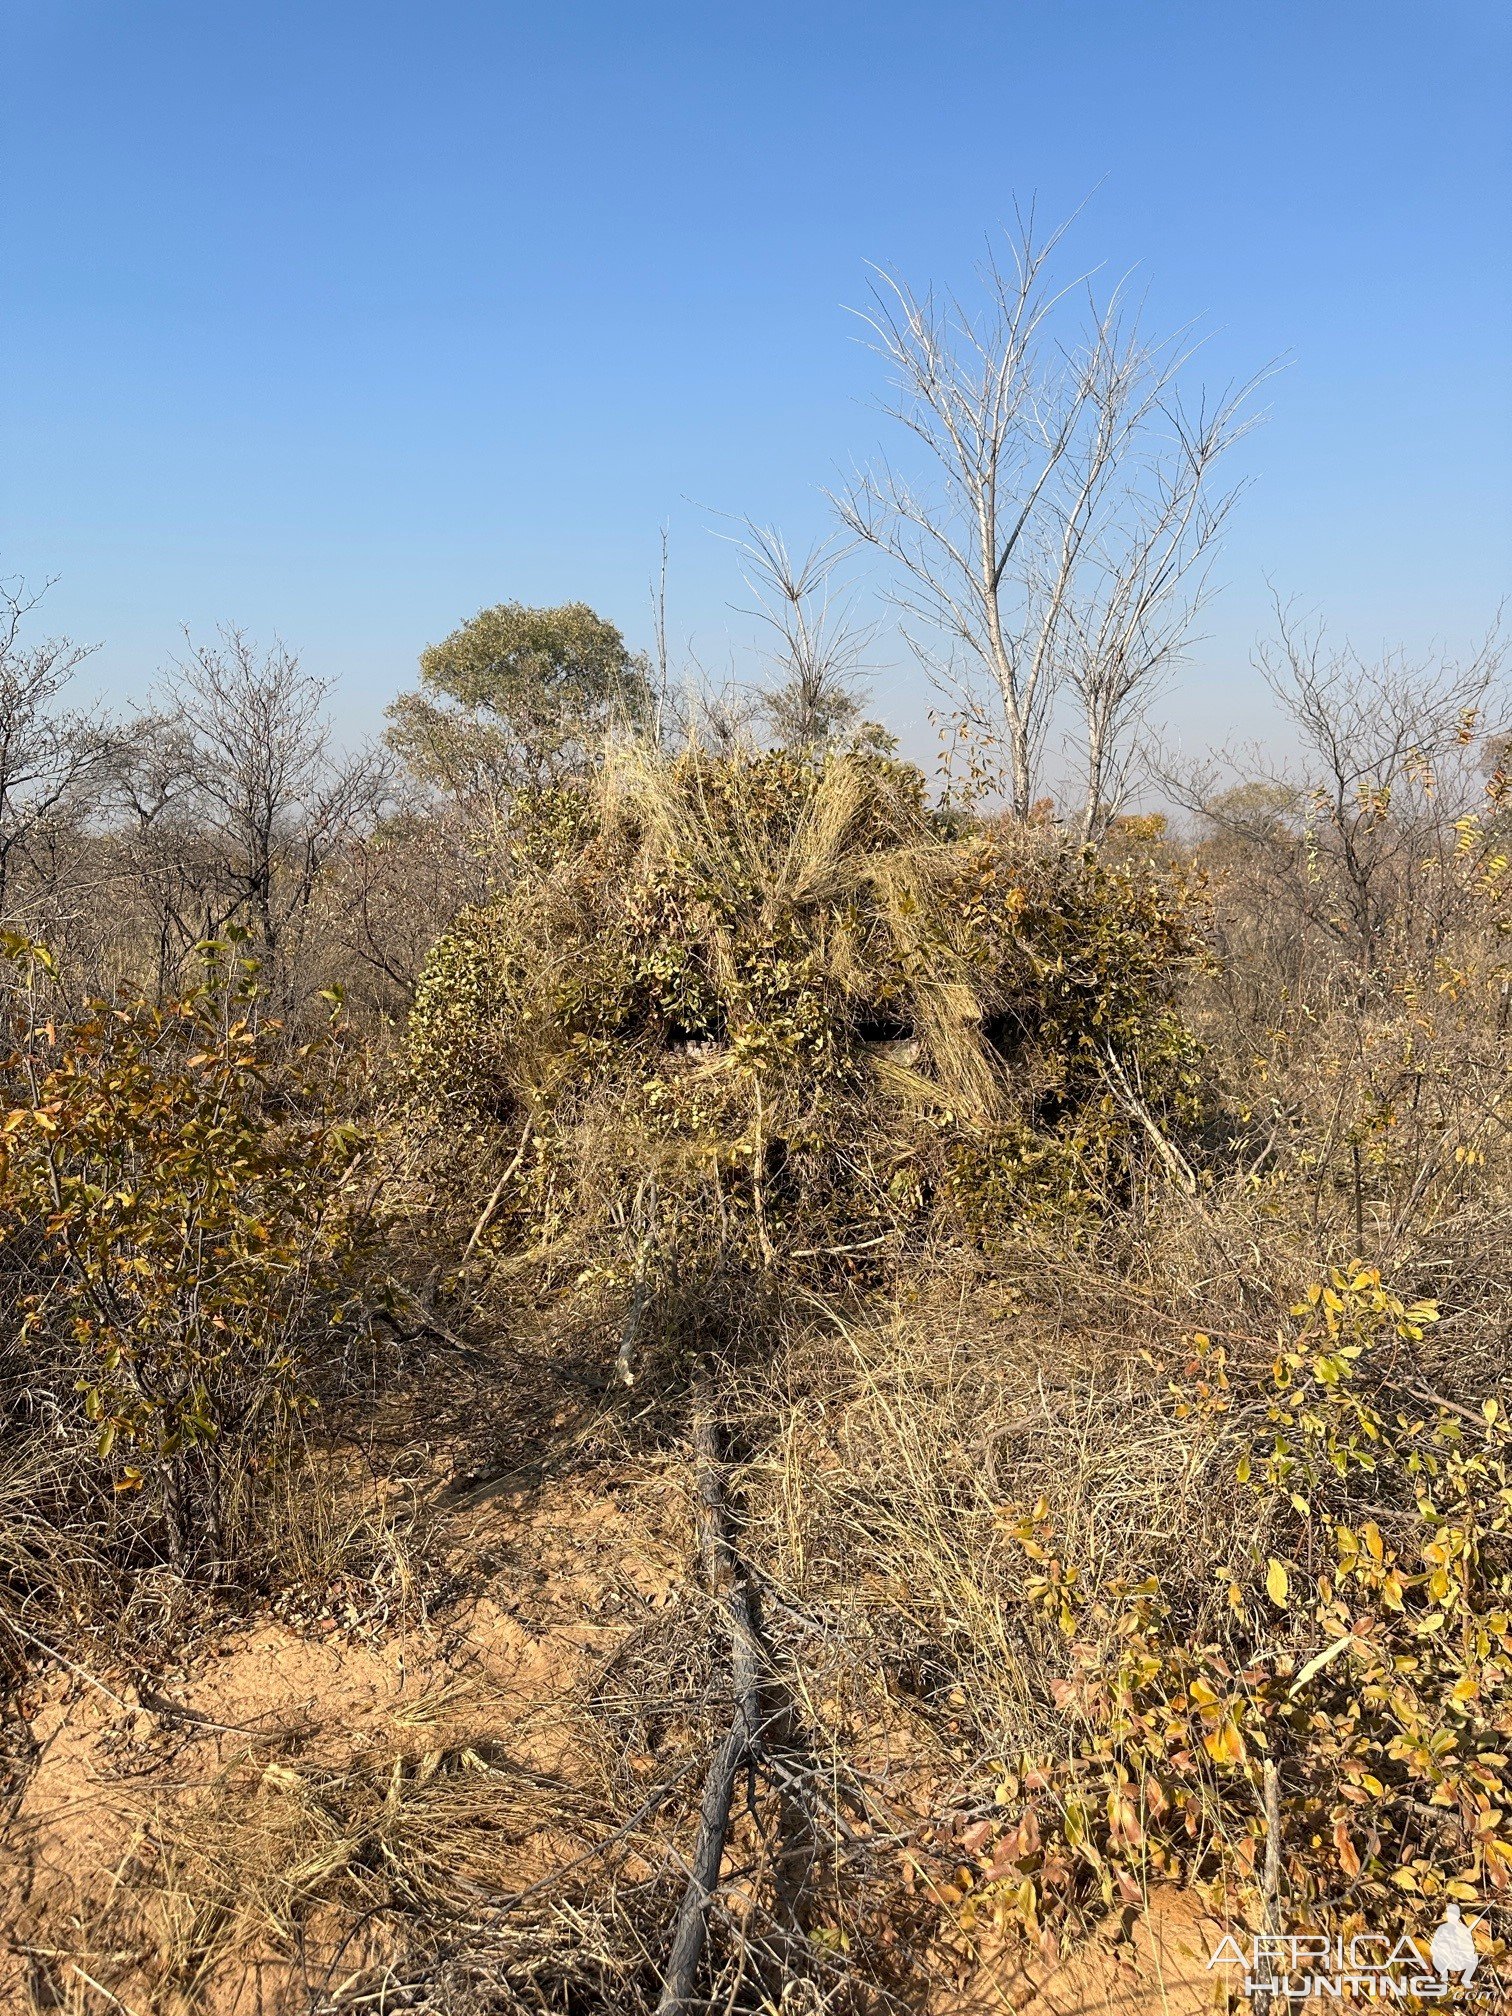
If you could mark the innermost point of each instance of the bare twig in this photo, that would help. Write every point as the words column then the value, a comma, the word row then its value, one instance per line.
column 497, row 1192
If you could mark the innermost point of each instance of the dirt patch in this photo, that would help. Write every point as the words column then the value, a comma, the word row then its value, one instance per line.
column 207, row 1841
column 1160, row 1969
column 326, row 1745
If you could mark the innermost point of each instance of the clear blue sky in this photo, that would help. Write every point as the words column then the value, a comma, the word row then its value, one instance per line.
column 344, row 319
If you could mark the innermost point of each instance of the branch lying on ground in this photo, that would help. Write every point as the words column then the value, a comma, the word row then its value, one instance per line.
column 727, row 1580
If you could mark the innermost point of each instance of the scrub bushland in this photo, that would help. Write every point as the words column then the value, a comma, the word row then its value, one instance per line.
column 1089, row 1265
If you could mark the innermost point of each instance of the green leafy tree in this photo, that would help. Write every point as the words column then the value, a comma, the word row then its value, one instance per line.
column 516, row 699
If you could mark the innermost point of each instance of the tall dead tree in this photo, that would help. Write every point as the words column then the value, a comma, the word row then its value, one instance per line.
column 1055, row 540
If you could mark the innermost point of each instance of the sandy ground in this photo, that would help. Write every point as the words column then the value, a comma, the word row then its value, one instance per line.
column 114, row 1762
column 118, row 1770
column 1162, row 1972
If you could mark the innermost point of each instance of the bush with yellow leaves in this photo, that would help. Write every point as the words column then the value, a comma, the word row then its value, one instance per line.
column 1366, row 1660
column 175, row 1239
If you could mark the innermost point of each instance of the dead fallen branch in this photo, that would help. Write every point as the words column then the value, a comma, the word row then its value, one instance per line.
column 728, row 1582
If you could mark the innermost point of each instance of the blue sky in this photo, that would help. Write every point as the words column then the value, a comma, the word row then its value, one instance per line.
column 342, row 320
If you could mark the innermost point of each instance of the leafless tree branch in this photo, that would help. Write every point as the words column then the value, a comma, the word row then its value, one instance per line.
column 1061, row 541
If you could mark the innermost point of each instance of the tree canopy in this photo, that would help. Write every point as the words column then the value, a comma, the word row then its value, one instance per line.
column 516, row 697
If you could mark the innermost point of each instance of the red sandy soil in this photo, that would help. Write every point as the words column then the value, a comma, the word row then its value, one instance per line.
column 580, row 1575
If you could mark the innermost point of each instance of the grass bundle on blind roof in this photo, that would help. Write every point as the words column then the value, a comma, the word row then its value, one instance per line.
column 811, row 1015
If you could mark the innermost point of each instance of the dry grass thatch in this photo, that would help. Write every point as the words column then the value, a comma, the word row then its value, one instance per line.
column 783, row 1009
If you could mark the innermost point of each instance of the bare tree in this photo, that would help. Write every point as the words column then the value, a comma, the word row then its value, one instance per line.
column 51, row 757
column 1379, row 825
column 817, row 656
column 170, row 863
column 1060, row 537
column 238, row 797
column 398, row 878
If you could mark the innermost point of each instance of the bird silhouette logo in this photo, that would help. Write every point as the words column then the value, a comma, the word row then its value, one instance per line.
column 1453, row 1948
